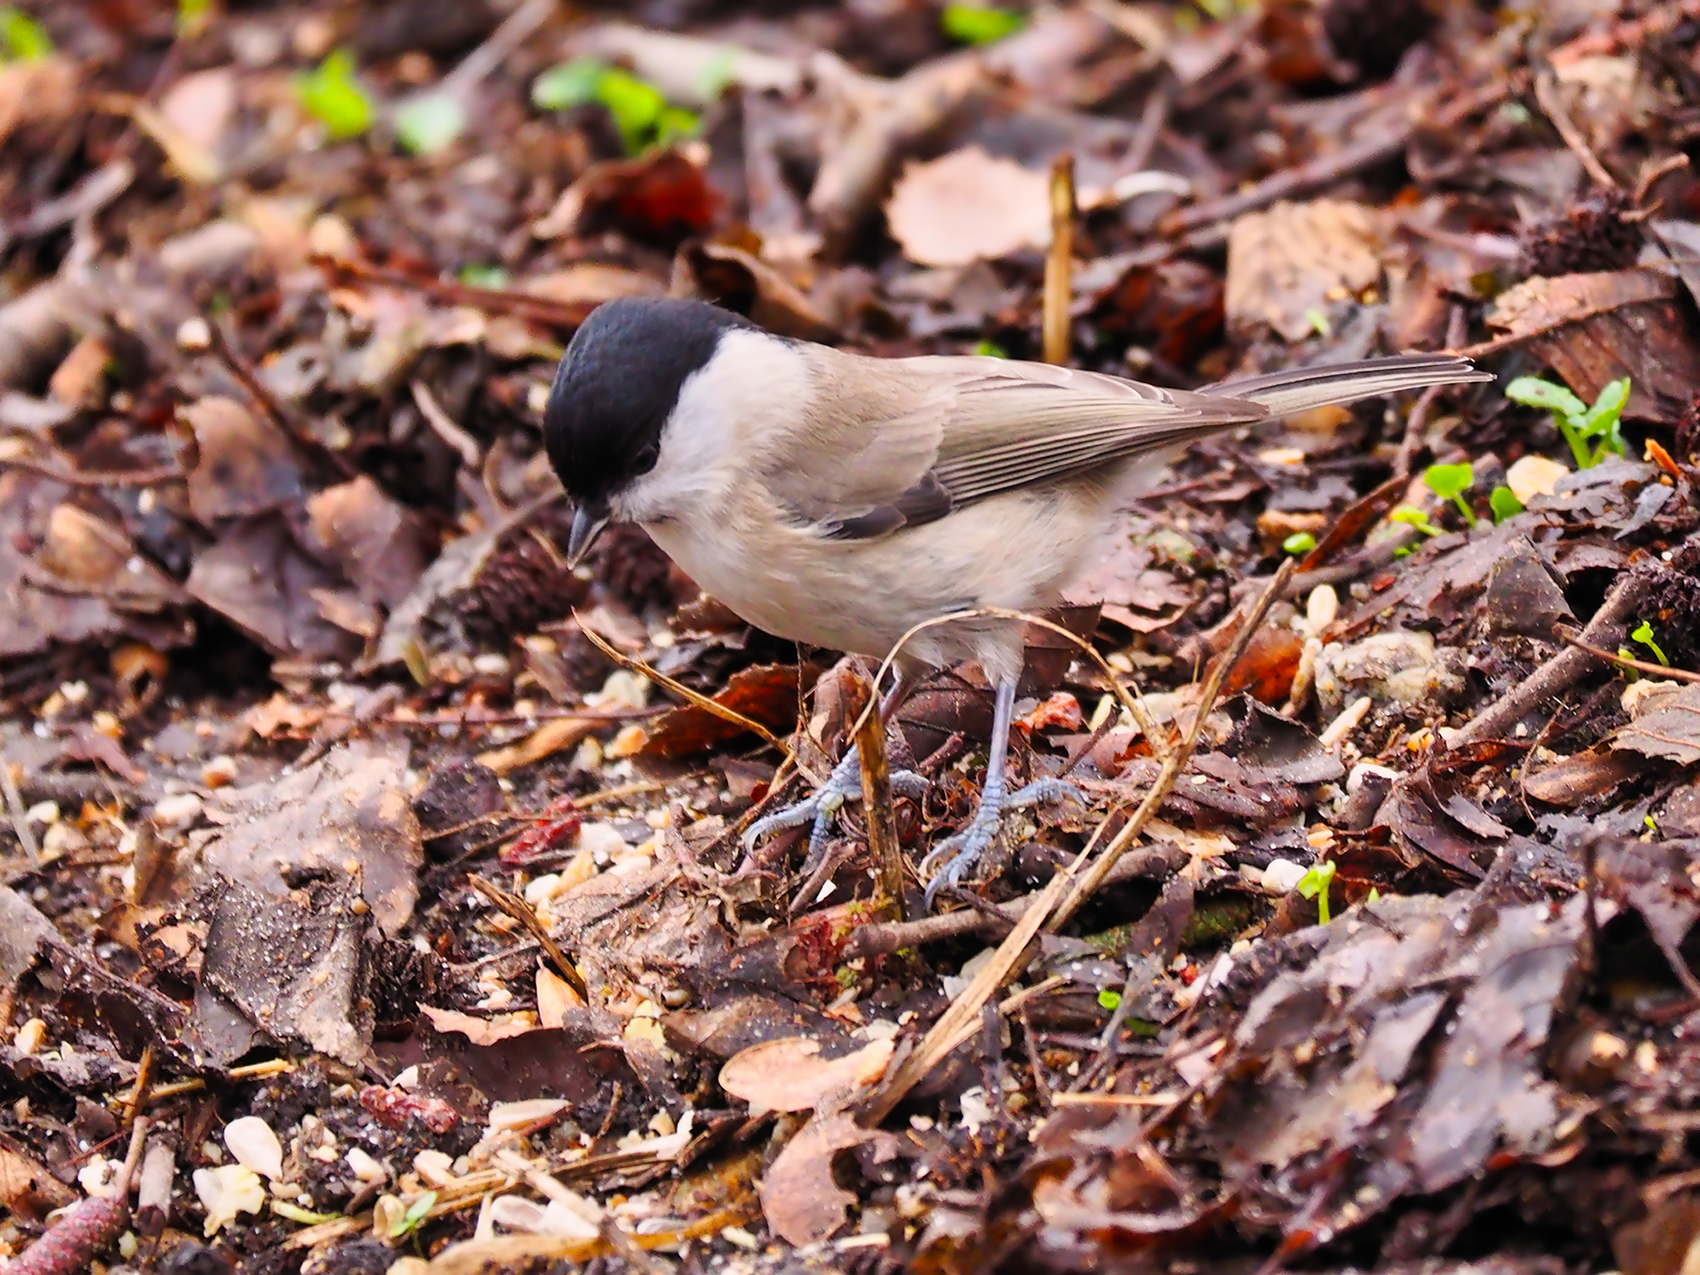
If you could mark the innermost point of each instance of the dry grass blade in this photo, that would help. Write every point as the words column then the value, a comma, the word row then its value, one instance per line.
column 1059, row 262
column 521, row 911
column 876, row 804
column 695, row 698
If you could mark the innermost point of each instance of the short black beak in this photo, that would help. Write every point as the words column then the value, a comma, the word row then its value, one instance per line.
column 588, row 521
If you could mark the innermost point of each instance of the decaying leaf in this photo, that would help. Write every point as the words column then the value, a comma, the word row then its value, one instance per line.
column 968, row 206
column 1292, row 266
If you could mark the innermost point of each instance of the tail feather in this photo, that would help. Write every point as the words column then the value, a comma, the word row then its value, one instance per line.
column 1300, row 389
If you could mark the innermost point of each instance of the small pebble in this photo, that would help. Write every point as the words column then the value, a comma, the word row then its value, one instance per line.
column 178, row 810
column 252, row 1143
column 1281, row 875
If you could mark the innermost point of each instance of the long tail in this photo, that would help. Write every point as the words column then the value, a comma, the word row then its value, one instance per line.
column 1301, row 389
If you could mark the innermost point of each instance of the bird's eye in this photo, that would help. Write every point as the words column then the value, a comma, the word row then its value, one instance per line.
column 647, row 457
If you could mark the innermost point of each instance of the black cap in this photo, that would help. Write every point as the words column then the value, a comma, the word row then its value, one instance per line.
column 617, row 384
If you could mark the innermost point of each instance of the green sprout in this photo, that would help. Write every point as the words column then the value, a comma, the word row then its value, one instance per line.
column 485, row 277
column 990, row 349
column 1299, row 543
column 331, row 94
column 416, row 1212
column 979, row 24
column 429, row 123
column 1504, row 503
column 1580, row 424
column 1314, row 885
column 1450, row 482
column 639, row 110
column 1644, row 635
column 1374, row 895
column 1412, row 516
column 22, row 38
column 307, row 1217
column 1319, row 323
column 193, row 17
column 1110, row 999
column 1652, row 823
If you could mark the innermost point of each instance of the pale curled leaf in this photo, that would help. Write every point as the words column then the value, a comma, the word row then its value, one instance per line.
column 789, row 1075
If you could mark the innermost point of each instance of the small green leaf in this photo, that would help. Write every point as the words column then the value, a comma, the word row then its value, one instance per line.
column 1414, row 517
column 990, row 349
column 1605, row 419
column 1643, row 634
column 1374, row 895
column 1531, row 391
column 675, row 124
column 331, row 94
column 415, row 1214
column 295, row 1213
column 979, row 24
column 1504, row 503
column 428, row 124
column 1110, row 999
column 1300, row 542
column 1652, row 823
column 22, row 37
column 1446, row 481
column 1314, row 885
column 485, row 277
column 192, row 17
column 1319, row 323
column 567, row 85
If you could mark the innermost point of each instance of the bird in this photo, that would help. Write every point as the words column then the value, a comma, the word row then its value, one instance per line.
column 839, row 499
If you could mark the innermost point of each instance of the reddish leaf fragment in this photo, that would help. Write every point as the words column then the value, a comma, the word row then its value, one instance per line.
column 396, row 1109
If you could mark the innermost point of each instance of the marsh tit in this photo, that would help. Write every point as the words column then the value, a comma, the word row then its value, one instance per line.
column 839, row 500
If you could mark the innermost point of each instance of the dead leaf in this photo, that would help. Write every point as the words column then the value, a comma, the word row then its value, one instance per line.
column 766, row 693
column 90, row 555
column 789, row 1075
column 661, row 196
column 246, row 464
column 802, row 1202
column 348, row 815
column 1297, row 263
column 967, row 206
column 1665, row 725
column 258, row 578
column 377, row 543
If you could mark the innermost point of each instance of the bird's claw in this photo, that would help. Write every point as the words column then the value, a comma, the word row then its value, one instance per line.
column 817, row 809
column 959, row 854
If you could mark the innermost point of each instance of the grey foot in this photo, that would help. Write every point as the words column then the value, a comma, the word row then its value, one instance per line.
column 844, row 784
column 959, row 854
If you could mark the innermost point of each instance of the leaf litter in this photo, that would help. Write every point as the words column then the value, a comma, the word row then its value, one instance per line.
column 349, row 836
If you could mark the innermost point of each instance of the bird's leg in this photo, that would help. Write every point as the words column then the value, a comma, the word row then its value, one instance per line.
column 842, row 785
column 954, row 856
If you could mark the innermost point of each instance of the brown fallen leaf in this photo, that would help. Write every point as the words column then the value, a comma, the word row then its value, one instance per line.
column 966, row 206
column 802, row 1202
column 789, row 1075
column 1596, row 328
column 1295, row 263
column 766, row 693
column 246, row 464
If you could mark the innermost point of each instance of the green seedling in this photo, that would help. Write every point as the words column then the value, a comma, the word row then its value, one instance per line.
column 193, row 17
column 638, row 108
column 979, row 24
column 1314, row 885
column 430, row 123
column 1652, row 823
column 307, row 1217
column 22, row 38
column 1450, row 482
column 1504, row 503
column 1319, row 323
column 485, row 277
column 331, row 94
column 1412, row 516
column 410, row 1221
column 1592, row 432
column 1299, row 543
column 1374, row 895
column 1110, row 999
column 1644, row 635
column 990, row 349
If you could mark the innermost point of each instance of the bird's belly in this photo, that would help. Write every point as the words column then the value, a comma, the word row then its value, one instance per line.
column 1014, row 552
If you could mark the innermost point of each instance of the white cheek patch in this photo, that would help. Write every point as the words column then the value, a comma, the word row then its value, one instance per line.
column 731, row 416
